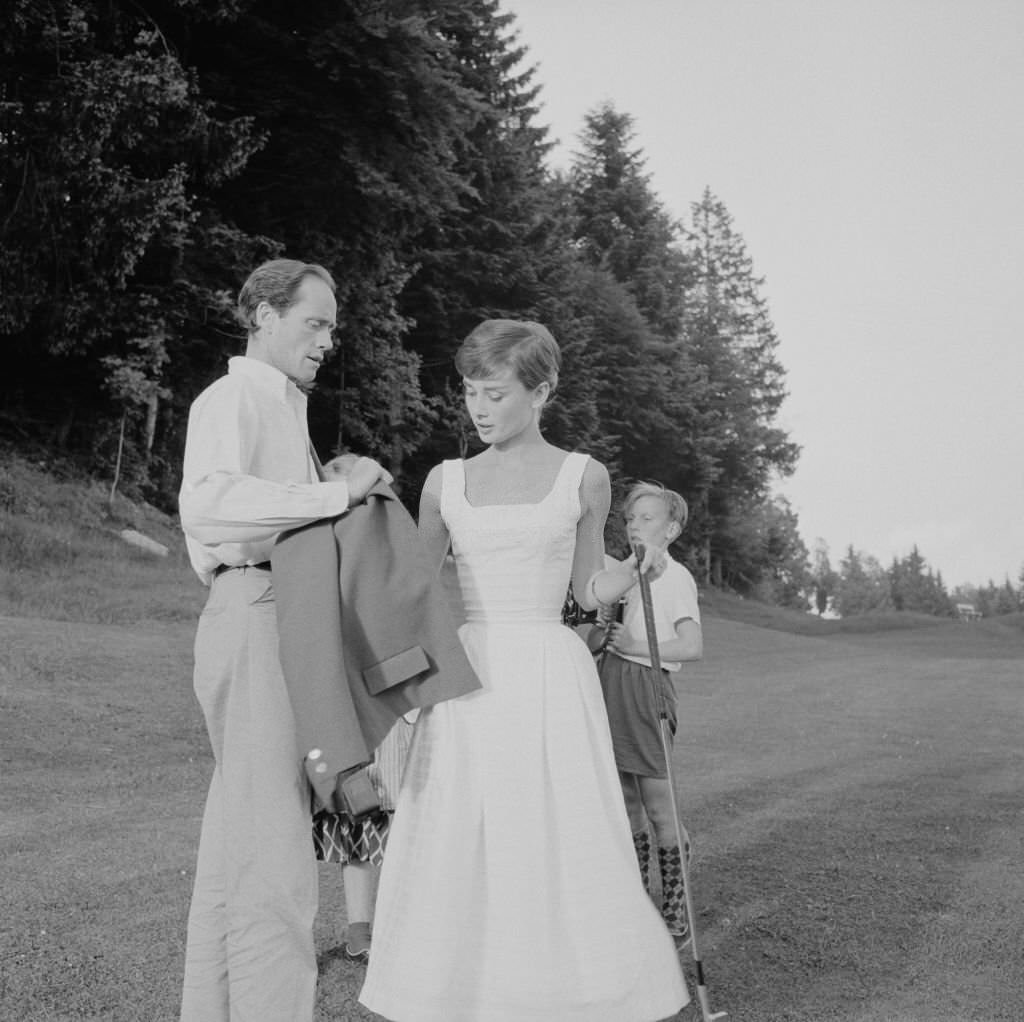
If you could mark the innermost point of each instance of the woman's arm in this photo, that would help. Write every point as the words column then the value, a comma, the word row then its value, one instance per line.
column 588, row 560
column 432, row 530
column 593, row 583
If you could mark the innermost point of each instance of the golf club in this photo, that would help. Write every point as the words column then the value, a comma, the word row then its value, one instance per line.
column 652, row 645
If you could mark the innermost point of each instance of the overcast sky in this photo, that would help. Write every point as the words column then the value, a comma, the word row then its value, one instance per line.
column 872, row 157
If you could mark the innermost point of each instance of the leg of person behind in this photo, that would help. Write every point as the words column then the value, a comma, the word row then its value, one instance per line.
column 637, row 824
column 359, row 880
column 657, row 800
column 250, row 955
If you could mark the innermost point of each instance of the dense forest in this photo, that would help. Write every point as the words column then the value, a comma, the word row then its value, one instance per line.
column 152, row 153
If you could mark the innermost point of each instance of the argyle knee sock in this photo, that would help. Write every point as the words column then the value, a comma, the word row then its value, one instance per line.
column 673, row 893
column 642, row 844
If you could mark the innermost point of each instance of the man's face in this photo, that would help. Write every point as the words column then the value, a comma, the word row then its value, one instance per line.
column 297, row 340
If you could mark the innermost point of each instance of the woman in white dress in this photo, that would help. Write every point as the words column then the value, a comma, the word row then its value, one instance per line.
column 510, row 890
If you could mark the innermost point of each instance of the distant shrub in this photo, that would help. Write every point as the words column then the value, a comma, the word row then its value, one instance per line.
column 767, row 615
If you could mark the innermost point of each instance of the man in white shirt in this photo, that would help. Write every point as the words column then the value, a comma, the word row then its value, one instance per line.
column 249, row 474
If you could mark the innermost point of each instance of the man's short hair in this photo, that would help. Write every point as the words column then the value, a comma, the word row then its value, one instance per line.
column 276, row 282
column 674, row 502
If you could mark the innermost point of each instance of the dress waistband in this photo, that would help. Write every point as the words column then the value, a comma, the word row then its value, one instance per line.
column 511, row 620
column 221, row 568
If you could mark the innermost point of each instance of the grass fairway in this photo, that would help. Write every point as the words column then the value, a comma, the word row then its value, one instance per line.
column 855, row 802
column 856, row 806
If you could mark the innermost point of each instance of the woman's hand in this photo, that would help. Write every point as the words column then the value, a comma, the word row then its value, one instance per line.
column 654, row 563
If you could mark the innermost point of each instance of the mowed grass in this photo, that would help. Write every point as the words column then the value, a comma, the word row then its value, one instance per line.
column 855, row 804
column 854, row 797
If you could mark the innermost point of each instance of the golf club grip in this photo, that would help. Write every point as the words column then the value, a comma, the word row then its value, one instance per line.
column 648, row 605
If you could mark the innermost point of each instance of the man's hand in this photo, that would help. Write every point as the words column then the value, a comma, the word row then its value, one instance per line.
column 363, row 476
column 340, row 467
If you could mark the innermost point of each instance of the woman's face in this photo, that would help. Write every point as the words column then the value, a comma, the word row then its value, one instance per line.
column 501, row 407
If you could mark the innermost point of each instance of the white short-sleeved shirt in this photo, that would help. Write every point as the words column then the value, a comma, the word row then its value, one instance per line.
column 674, row 596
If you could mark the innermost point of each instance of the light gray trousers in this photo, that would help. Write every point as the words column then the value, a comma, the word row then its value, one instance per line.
column 250, row 955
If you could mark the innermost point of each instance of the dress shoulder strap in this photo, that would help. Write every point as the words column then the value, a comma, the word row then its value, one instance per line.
column 453, row 485
column 572, row 471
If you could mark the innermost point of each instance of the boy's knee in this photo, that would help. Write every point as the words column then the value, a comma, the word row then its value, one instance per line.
column 659, row 808
column 659, row 815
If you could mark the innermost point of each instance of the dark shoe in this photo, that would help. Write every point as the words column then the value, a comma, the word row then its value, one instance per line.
column 357, row 943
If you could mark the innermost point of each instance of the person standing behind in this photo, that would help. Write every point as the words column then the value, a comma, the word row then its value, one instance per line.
column 359, row 847
column 654, row 517
column 249, row 474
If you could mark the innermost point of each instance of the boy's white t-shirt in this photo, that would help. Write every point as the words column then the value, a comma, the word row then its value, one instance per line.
column 674, row 596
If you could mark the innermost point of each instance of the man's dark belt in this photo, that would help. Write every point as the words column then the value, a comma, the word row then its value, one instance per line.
column 221, row 568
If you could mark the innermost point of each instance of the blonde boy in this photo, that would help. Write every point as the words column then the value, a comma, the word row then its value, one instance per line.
column 654, row 517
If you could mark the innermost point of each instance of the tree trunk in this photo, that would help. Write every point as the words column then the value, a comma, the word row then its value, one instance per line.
column 340, row 441
column 117, row 464
column 62, row 430
column 152, row 407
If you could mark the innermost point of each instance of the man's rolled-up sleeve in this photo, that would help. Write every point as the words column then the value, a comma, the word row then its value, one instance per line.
column 228, row 507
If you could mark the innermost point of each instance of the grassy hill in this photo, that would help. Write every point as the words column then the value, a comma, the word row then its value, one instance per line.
column 63, row 558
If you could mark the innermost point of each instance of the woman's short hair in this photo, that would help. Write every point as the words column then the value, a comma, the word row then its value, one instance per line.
column 674, row 503
column 275, row 282
column 525, row 347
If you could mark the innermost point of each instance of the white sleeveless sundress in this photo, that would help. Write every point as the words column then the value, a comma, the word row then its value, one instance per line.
column 510, row 890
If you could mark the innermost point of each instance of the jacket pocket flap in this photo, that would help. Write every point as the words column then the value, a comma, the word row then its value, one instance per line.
column 396, row 669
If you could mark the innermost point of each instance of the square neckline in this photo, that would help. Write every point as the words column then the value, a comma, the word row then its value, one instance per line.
column 533, row 503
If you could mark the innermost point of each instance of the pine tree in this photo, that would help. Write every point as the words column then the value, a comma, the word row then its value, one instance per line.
column 502, row 251
column 731, row 338
column 863, row 585
column 914, row 586
column 1005, row 599
column 771, row 562
column 647, row 388
column 621, row 225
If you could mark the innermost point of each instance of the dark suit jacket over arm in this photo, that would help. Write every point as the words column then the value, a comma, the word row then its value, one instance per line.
column 365, row 633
